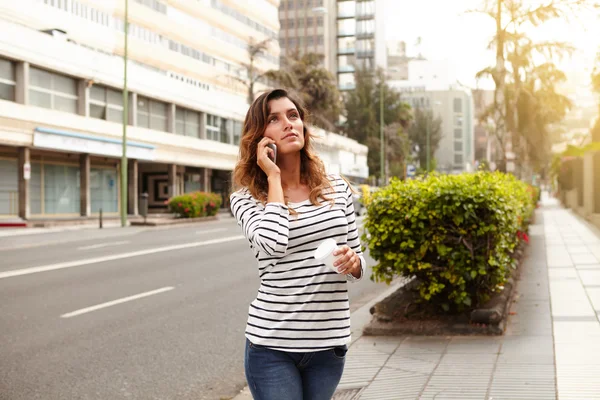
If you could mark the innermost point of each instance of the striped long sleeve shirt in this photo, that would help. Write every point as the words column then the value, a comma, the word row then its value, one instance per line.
column 302, row 305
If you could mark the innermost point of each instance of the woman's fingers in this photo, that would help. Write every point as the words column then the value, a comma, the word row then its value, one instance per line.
column 346, row 263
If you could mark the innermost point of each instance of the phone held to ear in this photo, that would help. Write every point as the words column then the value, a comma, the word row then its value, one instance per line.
column 273, row 157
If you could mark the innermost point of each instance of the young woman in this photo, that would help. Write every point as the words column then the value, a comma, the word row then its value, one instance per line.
column 299, row 324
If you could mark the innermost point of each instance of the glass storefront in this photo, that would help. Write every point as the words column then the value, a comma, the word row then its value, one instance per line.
column 9, row 187
column 61, row 189
column 104, row 190
column 54, row 189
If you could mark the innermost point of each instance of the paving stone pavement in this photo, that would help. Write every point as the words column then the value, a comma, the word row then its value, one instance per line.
column 551, row 348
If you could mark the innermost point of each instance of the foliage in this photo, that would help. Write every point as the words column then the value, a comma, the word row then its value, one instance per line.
column 417, row 132
column 362, row 106
column 596, row 75
column 512, row 18
column 455, row 233
column 195, row 205
column 314, row 84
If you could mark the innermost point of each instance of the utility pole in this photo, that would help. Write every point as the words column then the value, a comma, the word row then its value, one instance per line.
column 382, row 155
column 428, row 134
column 125, row 120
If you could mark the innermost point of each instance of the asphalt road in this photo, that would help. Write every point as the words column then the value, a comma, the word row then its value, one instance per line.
column 129, row 313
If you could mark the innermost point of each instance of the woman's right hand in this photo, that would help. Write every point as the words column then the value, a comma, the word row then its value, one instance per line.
column 263, row 157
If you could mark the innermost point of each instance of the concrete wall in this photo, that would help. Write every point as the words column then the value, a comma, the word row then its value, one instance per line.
column 584, row 195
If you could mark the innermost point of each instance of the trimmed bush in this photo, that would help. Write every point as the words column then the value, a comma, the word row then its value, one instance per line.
column 455, row 233
column 195, row 205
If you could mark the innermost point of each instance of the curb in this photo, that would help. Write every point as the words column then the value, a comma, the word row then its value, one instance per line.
column 175, row 221
column 490, row 319
column 358, row 319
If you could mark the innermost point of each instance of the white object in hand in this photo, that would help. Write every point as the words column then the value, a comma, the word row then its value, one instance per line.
column 324, row 253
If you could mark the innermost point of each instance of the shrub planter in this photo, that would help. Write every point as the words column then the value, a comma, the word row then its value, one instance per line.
column 461, row 238
column 396, row 316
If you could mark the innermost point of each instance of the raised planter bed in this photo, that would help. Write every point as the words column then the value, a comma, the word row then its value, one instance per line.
column 399, row 314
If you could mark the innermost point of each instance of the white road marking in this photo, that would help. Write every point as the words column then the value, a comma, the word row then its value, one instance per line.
column 79, row 263
column 211, row 231
column 115, row 302
column 100, row 245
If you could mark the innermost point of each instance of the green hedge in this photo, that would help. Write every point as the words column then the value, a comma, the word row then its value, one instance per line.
column 195, row 205
column 455, row 233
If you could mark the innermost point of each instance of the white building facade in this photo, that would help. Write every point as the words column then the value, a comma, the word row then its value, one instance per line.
column 61, row 100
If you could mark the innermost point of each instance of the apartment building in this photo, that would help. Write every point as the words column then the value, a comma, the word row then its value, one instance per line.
column 349, row 34
column 61, row 100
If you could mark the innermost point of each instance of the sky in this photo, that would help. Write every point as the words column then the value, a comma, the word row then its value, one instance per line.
column 449, row 33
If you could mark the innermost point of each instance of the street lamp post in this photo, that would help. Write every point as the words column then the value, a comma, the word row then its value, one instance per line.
column 428, row 145
column 125, row 119
column 382, row 149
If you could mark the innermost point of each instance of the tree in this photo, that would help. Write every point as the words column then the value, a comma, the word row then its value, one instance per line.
column 511, row 17
column 314, row 84
column 362, row 107
column 596, row 75
column 539, row 109
column 250, row 71
column 398, row 150
column 417, row 132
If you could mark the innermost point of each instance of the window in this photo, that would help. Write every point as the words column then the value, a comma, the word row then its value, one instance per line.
column 319, row 21
column 213, row 127
column 458, row 146
column 106, row 103
column 237, row 132
column 151, row 114
column 458, row 133
column 154, row 4
column 458, row 105
column 61, row 189
column 187, row 122
column 458, row 159
column 54, row 91
column 7, row 80
column 244, row 19
column 103, row 190
column 225, row 131
column 458, row 121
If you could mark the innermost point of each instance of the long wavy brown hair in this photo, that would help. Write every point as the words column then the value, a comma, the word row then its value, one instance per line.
column 247, row 173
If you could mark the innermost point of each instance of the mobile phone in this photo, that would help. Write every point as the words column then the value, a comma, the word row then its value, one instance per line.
column 274, row 148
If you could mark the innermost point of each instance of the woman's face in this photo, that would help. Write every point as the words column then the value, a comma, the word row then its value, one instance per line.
column 284, row 126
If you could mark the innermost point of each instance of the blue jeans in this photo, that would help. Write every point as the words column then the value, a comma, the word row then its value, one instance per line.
column 279, row 375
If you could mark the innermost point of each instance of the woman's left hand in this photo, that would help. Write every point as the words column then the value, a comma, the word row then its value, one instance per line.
column 348, row 263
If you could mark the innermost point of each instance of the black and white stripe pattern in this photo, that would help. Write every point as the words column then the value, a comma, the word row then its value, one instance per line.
column 301, row 305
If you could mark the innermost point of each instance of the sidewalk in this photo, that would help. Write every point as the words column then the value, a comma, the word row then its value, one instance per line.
column 551, row 348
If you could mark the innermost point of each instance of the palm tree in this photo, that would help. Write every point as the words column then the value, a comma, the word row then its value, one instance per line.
column 250, row 70
column 510, row 17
